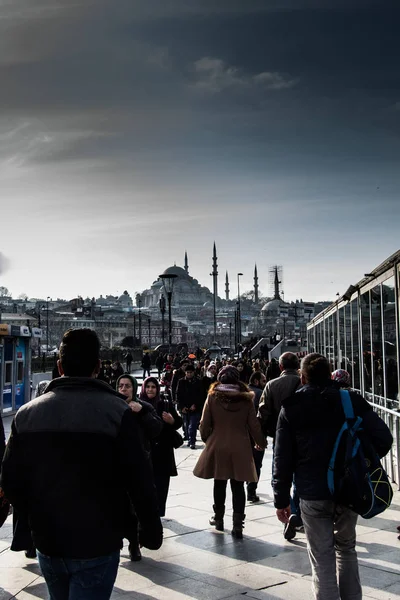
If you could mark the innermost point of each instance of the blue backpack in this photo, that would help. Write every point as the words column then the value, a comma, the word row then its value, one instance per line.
column 356, row 478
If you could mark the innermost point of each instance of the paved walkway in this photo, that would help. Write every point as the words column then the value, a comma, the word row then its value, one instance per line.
column 196, row 562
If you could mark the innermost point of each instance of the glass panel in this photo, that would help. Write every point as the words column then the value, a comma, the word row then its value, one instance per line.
column 366, row 341
column 347, row 358
column 330, row 350
column 8, row 373
column 389, row 333
column 20, row 371
column 376, row 316
column 342, row 354
column 318, row 338
column 356, row 345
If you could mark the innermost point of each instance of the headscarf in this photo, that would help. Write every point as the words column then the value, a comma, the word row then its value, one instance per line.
column 143, row 395
column 133, row 381
column 342, row 377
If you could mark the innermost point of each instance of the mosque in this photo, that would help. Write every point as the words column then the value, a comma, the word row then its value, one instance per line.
column 194, row 302
column 188, row 293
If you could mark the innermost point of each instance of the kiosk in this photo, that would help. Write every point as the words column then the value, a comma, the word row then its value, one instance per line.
column 15, row 367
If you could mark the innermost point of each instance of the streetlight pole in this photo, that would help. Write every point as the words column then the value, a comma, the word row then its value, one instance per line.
column 162, row 310
column 139, row 302
column 47, row 324
column 238, row 311
column 39, row 323
column 169, row 280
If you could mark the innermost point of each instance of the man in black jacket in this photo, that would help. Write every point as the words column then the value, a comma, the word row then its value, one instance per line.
column 73, row 462
column 190, row 397
column 308, row 425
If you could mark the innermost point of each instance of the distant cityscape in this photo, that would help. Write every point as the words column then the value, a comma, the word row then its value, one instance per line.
column 139, row 321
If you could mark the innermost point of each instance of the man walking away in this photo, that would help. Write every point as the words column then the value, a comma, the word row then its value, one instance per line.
column 129, row 359
column 178, row 374
column 274, row 394
column 146, row 365
column 308, row 425
column 73, row 464
column 256, row 384
column 190, row 398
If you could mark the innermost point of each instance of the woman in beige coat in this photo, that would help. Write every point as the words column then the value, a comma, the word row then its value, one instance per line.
column 229, row 428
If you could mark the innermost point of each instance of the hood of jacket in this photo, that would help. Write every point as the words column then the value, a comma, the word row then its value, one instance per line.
column 231, row 397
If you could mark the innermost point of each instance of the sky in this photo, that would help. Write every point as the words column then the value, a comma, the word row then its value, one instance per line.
column 133, row 130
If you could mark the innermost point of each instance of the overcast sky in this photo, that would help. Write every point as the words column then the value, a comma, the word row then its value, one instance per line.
column 133, row 130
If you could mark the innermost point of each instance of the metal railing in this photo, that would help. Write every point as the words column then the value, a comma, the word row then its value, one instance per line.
column 391, row 417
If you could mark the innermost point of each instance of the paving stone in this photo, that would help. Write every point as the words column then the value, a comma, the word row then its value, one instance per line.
column 293, row 589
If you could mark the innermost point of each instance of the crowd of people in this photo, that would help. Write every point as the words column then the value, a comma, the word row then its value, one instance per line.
column 89, row 461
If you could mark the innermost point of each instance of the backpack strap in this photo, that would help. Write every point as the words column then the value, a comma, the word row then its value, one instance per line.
column 347, row 404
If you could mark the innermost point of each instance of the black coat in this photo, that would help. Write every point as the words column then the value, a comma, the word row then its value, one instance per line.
column 162, row 449
column 189, row 392
column 308, row 425
column 150, row 423
column 2, row 440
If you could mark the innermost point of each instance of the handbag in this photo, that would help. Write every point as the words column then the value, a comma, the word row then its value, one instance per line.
column 177, row 439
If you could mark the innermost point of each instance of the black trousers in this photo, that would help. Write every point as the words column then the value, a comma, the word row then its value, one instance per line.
column 238, row 495
column 162, row 487
column 258, row 456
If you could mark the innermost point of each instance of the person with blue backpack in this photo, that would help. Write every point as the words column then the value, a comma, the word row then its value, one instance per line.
column 326, row 438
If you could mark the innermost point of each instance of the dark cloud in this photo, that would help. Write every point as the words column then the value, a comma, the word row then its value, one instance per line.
column 253, row 84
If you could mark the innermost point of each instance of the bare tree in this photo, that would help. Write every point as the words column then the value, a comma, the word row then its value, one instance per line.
column 4, row 291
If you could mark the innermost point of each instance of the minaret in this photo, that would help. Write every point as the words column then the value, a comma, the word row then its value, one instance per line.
column 215, row 287
column 186, row 264
column 255, row 285
column 276, row 285
column 226, row 286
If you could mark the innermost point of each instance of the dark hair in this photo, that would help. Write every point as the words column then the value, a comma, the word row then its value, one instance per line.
column 79, row 352
column 289, row 360
column 189, row 367
column 316, row 369
column 256, row 376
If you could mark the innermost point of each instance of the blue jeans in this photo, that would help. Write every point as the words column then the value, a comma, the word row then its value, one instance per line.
column 80, row 579
column 295, row 504
column 294, row 498
column 192, row 424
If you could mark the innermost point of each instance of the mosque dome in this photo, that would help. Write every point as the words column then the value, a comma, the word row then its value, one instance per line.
column 178, row 271
column 272, row 306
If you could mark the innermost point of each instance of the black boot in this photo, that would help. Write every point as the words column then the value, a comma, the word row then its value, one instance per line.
column 217, row 520
column 134, row 552
column 31, row 553
column 238, row 524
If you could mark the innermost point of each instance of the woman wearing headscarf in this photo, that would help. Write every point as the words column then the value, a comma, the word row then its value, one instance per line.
column 150, row 426
column 229, row 428
column 342, row 377
column 162, row 447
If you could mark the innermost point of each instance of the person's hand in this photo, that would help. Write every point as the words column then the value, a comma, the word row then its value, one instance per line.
column 257, row 447
column 136, row 407
column 283, row 514
column 168, row 418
